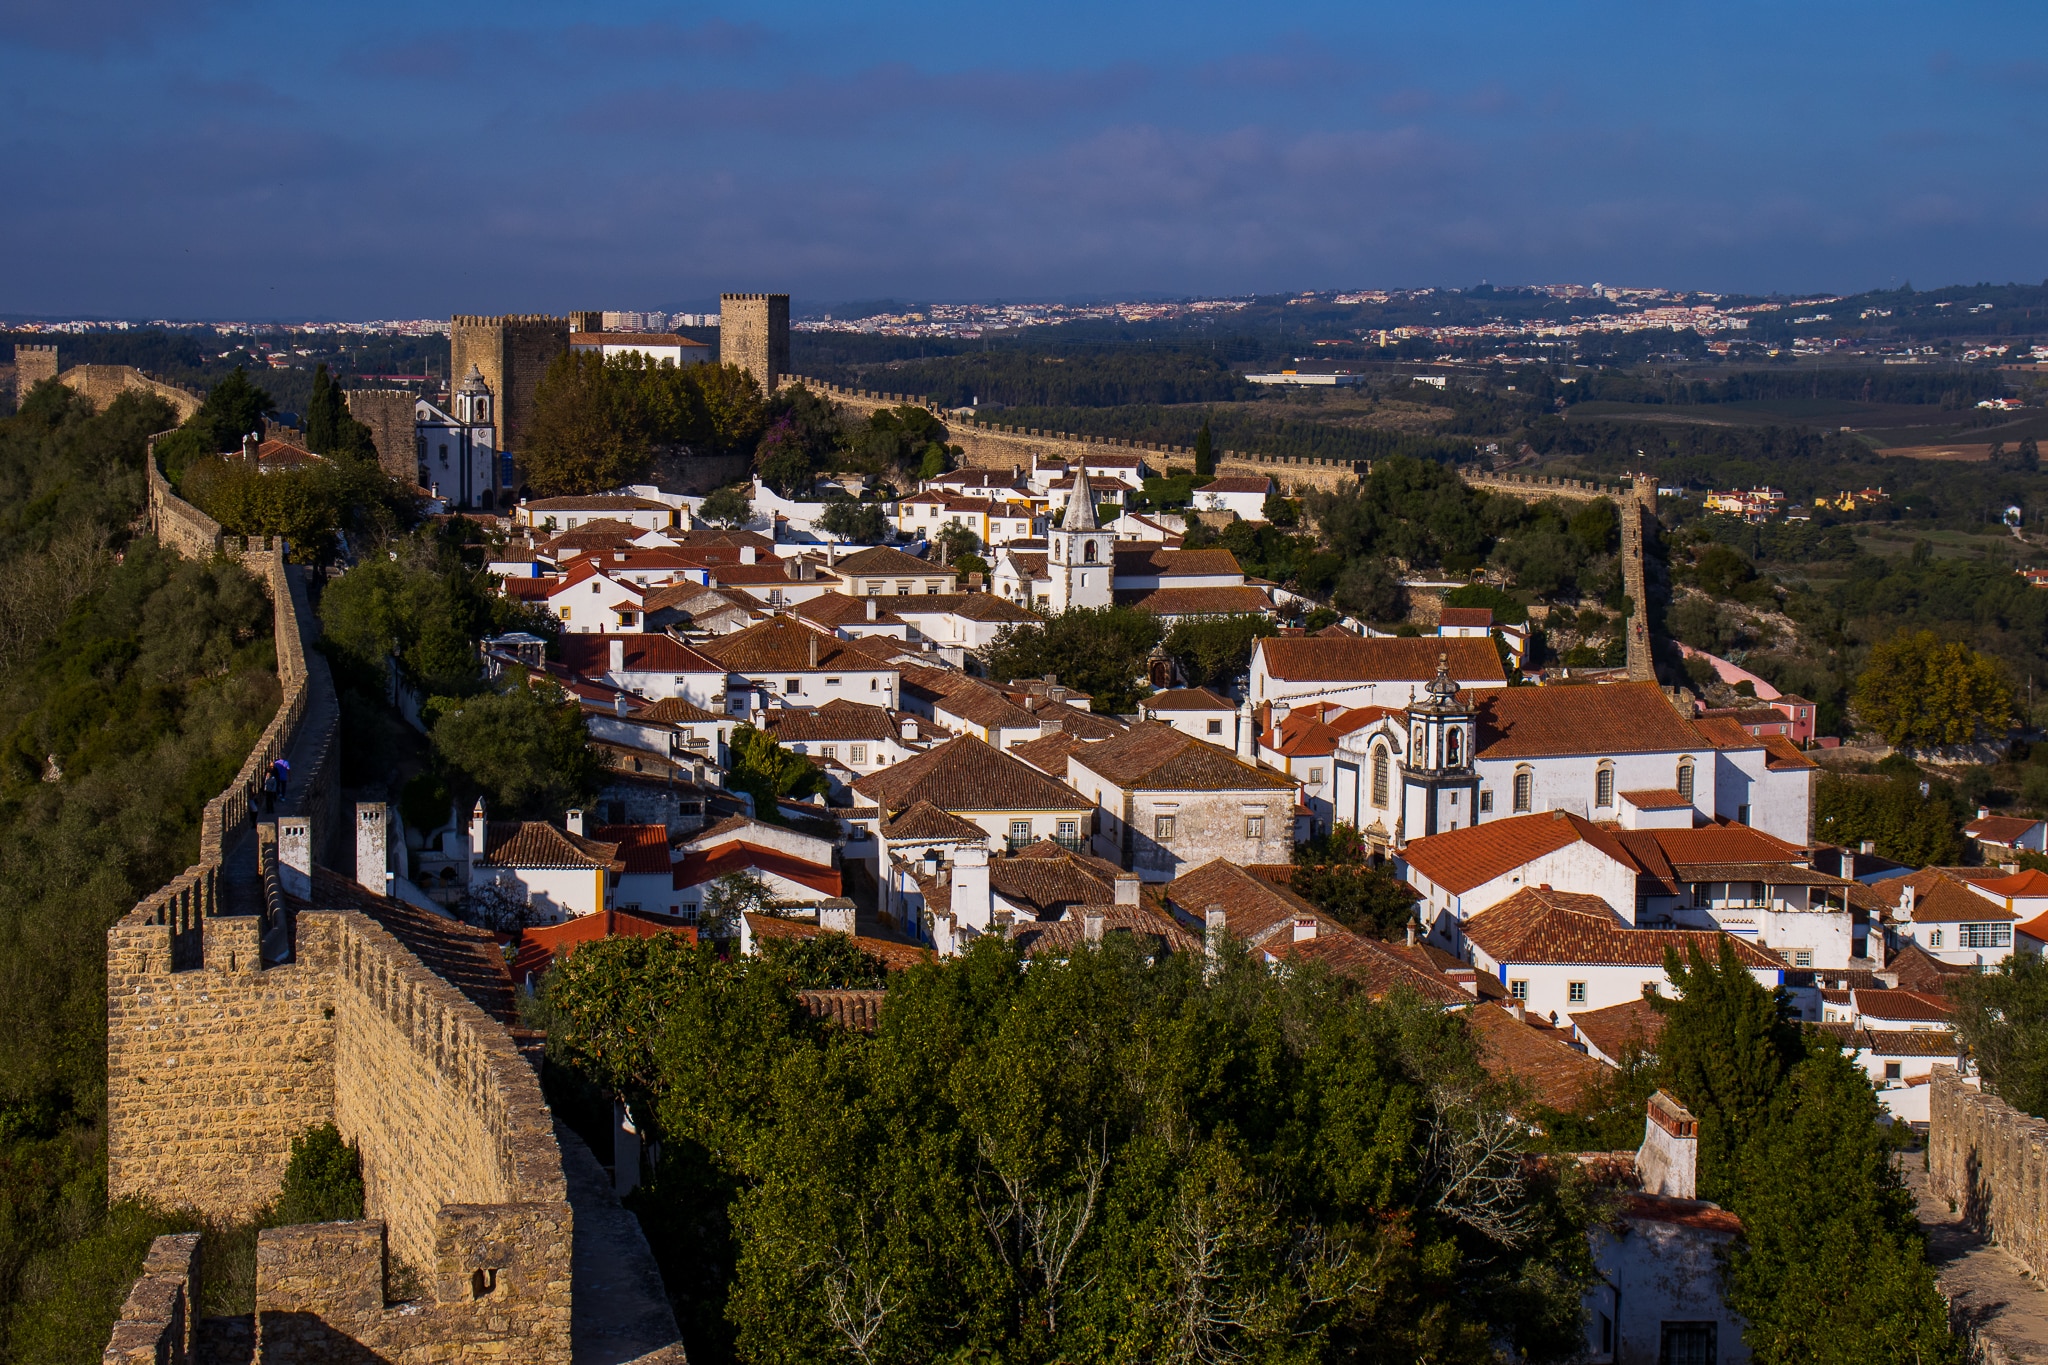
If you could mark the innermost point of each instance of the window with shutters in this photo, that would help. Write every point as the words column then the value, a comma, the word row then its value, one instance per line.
column 857, row 753
column 1255, row 827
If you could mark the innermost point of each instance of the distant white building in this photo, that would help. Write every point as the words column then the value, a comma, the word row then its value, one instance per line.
column 658, row 347
column 1244, row 494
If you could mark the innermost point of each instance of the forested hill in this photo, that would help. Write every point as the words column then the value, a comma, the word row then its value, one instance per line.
column 132, row 683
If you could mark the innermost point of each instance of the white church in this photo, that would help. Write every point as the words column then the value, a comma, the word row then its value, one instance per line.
column 458, row 449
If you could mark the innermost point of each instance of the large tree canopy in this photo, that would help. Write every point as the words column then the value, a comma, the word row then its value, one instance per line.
column 1923, row 691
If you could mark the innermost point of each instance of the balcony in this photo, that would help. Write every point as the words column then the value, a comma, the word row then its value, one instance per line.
column 1072, row 843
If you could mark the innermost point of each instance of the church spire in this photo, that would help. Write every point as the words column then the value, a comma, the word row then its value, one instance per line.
column 1080, row 507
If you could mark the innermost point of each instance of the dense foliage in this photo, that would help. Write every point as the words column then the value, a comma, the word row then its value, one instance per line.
column 131, row 686
column 521, row 746
column 1333, row 873
column 1102, row 651
column 1923, row 691
column 423, row 604
column 1905, row 825
column 1216, row 651
column 1104, row 1158
column 598, row 422
column 766, row 771
column 323, row 1180
column 2002, row 1017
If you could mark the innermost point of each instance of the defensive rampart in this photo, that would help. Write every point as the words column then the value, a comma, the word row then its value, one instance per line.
column 104, row 383
column 1991, row 1161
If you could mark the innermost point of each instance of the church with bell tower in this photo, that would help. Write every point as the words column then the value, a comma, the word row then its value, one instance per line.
column 1439, row 784
column 1080, row 558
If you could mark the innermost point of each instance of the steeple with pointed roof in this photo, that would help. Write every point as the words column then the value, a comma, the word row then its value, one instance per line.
column 1082, row 560
column 1080, row 514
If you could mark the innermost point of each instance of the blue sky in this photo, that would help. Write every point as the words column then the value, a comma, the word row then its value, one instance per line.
column 214, row 158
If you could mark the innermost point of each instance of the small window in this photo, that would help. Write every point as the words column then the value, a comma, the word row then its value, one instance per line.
column 1934, row 938
column 1215, row 727
column 874, row 588
column 1020, row 831
column 565, row 613
column 1802, row 957
column 1893, row 1071
column 857, row 753
column 1485, row 799
column 1069, row 829
column 1742, row 815
column 1603, row 787
column 1525, row 782
column 593, row 586
column 1757, row 899
column 1315, row 777
column 1688, row 1343
column 902, row 589
column 679, row 681
column 831, row 682
column 1255, row 827
column 1162, row 828
column 792, row 685
column 1518, row 989
column 1685, row 778
column 829, row 752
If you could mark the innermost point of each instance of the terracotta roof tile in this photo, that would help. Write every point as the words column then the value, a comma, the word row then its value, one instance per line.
column 1060, row 937
column 837, row 720
column 1135, row 561
column 1238, row 483
column 535, row 843
column 598, row 502
column 1466, row 618
column 642, row 848
column 591, row 655
column 1784, row 755
column 2000, row 829
column 896, row 956
column 1383, row 967
column 468, row 959
column 965, row 774
column 1188, row 699
column 1046, row 884
column 1458, row 860
column 541, row 947
column 923, row 820
column 855, row 1011
column 738, row 855
column 1939, row 898
column 1237, row 600
column 880, row 561
column 1592, row 718
column 1539, row 926
column 1252, row 908
column 1557, row 1074
column 1617, row 1028
column 969, row 606
column 783, row 645
column 1316, row 658
column 1657, row 798
column 1155, row 757
column 1903, row 1004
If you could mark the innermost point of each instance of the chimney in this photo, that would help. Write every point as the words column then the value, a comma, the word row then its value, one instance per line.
column 837, row 919
column 909, row 727
column 1304, row 929
column 972, row 905
column 479, row 829
column 872, row 612
column 1669, row 1158
column 619, row 704
column 249, row 444
column 2009, row 869
column 1127, row 884
column 831, row 553
column 1983, row 812
column 1215, row 924
column 1050, row 723
column 1868, row 847
column 1411, row 932
column 574, row 820
column 295, row 856
column 372, row 848
column 814, row 647
column 748, row 555
column 618, row 656
column 1091, row 927
column 1247, row 733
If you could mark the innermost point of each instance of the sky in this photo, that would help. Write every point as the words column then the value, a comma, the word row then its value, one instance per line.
column 225, row 159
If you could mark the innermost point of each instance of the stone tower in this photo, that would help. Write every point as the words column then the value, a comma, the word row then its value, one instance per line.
column 512, row 353
column 32, row 365
column 1081, row 562
column 753, row 333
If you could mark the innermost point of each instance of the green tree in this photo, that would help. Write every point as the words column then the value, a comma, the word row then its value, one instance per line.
column 1102, row 651
column 1597, row 527
column 1205, row 452
column 955, row 540
column 781, row 459
column 731, row 899
column 858, row 523
column 1725, row 1049
column 1215, row 651
column 2002, row 1018
column 523, row 748
column 588, row 433
column 728, row 507
column 823, row 962
column 934, row 461
column 1506, row 610
column 1892, row 814
column 734, row 413
column 422, row 604
column 330, row 428
column 1331, row 872
column 1281, row 510
column 323, row 1180
column 233, row 408
column 1922, row 691
column 765, row 770
column 1371, row 589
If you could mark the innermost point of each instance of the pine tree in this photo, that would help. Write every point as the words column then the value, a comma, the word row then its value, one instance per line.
column 1205, row 452
column 320, row 412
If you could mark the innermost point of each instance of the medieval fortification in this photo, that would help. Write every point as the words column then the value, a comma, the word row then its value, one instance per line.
column 262, row 992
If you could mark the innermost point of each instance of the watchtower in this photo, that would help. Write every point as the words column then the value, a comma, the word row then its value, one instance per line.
column 512, row 353
column 34, row 364
column 753, row 333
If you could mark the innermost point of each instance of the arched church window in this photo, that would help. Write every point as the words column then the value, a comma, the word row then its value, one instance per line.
column 1379, row 776
column 1685, row 778
column 1451, row 756
column 1525, row 785
column 1088, row 551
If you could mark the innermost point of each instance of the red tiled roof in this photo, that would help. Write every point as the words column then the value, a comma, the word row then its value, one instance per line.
column 1657, row 798
column 1157, row 561
column 1556, row 1074
column 1060, row 937
column 643, row 848
column 676, row 711
column 1603, row 718
column 1616, row 1028
column 1903, row 1004
column 1156, row 757
column 965, row 774
column 896, row 956
column 598, row 502
column 535, row 843
column 1238, row 483
column 527, row 589
column 2026, row 883
column 1458, row 860
column 1320, row 658
column 837, row 720
column 1784, row 755
column 1187, row 699
column 2000, row 829
column 1690, row 1213
column 1383, row 967
column 1252, row 908
column 1539, row 926
column 738, row 855
column 540, row 947
column 591, row 655
column 880, row 561
column 855, row 1011
column 784, row 645
column 923, row 820
column 1226, row 600
column 1465, row 618
column 1939, row 898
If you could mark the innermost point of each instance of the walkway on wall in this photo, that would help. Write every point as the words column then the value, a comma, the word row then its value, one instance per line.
column 619, row 1313
column 1989, row 1295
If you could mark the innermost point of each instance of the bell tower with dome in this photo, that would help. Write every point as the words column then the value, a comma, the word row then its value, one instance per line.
column 1439, row 785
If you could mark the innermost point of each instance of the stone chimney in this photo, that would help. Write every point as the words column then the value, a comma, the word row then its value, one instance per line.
column 814, row 647
column 1247, row 732
column 372, row 845
column 249, row 445
column 1670, row 1156
column 837, row 919
column 973, row 907
column 619, row 704
column 574, row 820
column 1127, row 884
column 618, row 656
column 1091, row 927
column 1215, row 924
column 295, row 856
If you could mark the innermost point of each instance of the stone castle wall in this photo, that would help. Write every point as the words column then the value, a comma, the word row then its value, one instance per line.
column 32, row 365
column 512, row 352
column 753, row 333
column 104, row 383
column 1991, row 1161
column 389, row 414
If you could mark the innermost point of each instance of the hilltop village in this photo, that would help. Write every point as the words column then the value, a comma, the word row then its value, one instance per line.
column 550, row 767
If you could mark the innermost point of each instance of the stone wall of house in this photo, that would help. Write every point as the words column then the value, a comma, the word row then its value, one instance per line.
column 389, row 414
column 1991, row 1161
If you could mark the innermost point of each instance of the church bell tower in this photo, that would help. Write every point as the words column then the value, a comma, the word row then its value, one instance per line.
column 1080, row 560
column 1439, row 785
